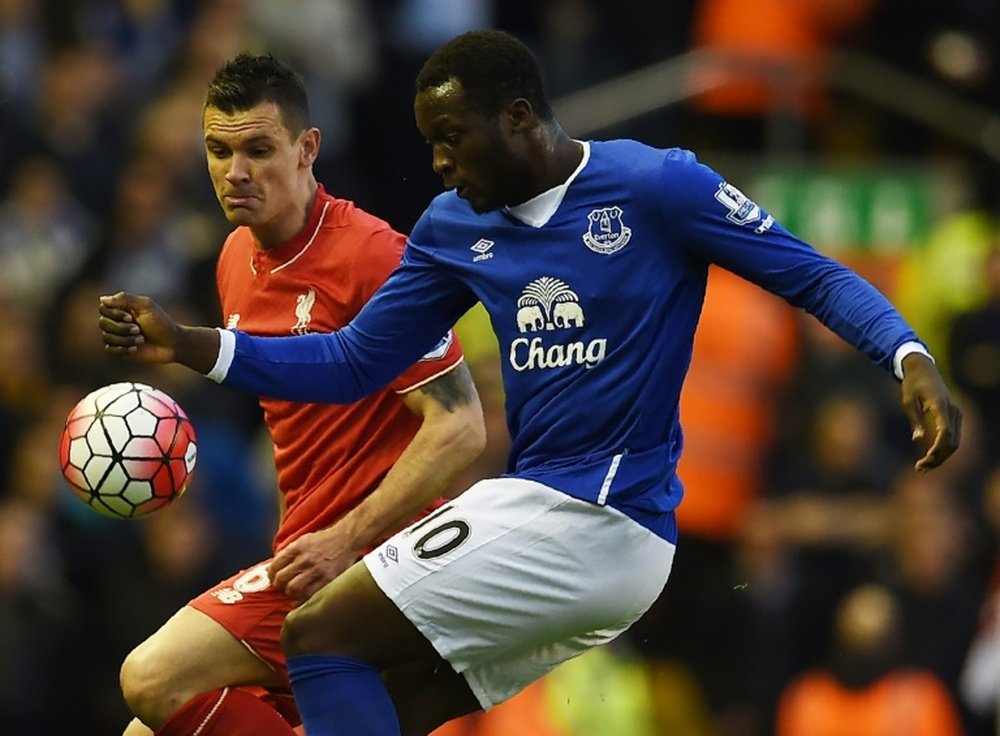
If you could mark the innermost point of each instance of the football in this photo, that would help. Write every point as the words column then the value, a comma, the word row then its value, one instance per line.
column 127, row 450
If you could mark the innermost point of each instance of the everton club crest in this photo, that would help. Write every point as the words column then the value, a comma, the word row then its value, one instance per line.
column 606, row 232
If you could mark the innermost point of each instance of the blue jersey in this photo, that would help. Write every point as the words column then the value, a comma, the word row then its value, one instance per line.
column 595, row 312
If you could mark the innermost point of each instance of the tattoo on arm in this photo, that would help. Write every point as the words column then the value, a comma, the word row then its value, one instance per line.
column 453, row 389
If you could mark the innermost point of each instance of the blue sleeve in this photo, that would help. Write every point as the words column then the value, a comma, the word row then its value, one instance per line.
column 406, row 317
column 723, row 226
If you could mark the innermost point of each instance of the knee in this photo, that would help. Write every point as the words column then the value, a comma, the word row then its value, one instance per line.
column 296, row 634
column 309, row 629
column 148, row 688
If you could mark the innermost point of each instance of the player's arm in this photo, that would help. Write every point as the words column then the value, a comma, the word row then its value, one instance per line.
column 452, row 434
column 406, row 317
column 725, row 228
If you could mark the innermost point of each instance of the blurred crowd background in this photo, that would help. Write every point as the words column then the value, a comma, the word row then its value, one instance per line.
column 819, row 579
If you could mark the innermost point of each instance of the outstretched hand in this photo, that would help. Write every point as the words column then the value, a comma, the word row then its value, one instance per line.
column 137, row 328
column 930, row 408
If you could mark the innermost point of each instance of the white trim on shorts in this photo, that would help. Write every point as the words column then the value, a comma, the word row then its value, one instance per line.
column 512, row 578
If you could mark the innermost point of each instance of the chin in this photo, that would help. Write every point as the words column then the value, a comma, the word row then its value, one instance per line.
column 482, row 206
column 240, row 216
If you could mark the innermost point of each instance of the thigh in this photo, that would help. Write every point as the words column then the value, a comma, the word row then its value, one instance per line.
column 252, row 612
column 512, row 578
column 195, row 650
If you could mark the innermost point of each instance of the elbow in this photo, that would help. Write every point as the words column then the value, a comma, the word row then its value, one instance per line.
column 469, row 433
column 462, row 437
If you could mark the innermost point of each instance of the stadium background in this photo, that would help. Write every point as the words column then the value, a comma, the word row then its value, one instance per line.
column 879, row 146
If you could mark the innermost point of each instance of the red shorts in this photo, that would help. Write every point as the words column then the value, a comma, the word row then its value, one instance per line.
column 252, row 611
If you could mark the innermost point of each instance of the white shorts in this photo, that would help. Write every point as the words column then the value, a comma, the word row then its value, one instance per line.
column 512, row 578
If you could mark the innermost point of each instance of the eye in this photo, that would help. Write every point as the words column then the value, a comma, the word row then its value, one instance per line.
column 452, row 138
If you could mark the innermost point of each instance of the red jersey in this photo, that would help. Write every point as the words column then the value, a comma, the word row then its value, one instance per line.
column 328, row 456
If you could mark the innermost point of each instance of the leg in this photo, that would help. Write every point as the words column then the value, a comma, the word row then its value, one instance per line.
column 190, row 654
column 427, row 697
column 334, row 621
column 425, row 690
column 495, row 581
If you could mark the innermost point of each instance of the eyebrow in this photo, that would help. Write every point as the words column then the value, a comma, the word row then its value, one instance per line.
column 260, row 138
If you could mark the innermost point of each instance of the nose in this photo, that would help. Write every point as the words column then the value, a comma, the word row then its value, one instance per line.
column 442, row 162
column 239, row 169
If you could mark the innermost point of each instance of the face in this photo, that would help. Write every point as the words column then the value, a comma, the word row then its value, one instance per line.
column 260, row 171
column 474, row 154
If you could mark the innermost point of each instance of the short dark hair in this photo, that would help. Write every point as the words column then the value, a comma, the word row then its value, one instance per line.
column 249, row 79
column 493, row 68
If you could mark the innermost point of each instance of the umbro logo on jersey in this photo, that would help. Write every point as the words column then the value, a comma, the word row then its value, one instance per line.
column 482, row 250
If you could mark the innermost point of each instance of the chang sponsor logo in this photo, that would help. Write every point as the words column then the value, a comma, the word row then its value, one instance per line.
column 526, row 355
column 546, row 305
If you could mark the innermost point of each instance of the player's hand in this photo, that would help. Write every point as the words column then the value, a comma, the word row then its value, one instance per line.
column 931, row 410
column 310, row 562
column 136, row 328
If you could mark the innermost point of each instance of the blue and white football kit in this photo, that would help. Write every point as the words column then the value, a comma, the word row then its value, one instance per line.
column 594, row 290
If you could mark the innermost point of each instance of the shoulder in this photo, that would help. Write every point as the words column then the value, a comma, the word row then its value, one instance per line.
column 237, row 245
column 445, row 210
column 371, row 236
column 647, row 168
column 343, row 213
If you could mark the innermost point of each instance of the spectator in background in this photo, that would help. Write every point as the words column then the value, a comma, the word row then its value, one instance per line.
column 765, row 62
column 979, row 685
column 939, row 593
column 863, row 691
column 22, row 50
column 943, row 276
column 814, row 535
column 73, row 122
column 151, row 243
column 973, row 352
column 46, row 236
column 745, row 350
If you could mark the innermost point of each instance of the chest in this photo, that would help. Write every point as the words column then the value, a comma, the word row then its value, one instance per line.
column 293, row 303
column 589, row 264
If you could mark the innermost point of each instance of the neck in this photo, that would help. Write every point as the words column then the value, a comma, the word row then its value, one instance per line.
column 558, row 156
column 289, row 222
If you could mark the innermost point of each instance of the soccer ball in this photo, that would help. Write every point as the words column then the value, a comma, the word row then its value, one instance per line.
column 127, row 450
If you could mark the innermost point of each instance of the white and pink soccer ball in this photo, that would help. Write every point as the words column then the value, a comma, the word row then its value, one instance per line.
column 127, row 450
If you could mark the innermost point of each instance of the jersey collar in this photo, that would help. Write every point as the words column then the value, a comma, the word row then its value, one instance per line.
column 538, row 210
column 275, row 259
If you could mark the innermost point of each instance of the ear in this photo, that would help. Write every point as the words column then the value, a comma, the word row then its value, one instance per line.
column 309, row 140
column 519, row 116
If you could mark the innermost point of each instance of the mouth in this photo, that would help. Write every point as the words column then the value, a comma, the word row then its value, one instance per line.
column 238, row 200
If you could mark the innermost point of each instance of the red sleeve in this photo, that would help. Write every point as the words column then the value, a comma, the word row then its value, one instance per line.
column 222, row 274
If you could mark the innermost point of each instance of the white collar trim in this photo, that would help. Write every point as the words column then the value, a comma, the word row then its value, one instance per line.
column 538, row 210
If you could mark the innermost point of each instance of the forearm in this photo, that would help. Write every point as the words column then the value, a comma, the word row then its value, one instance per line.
column 314, row 368
column 197, row 348
column 422, row 474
